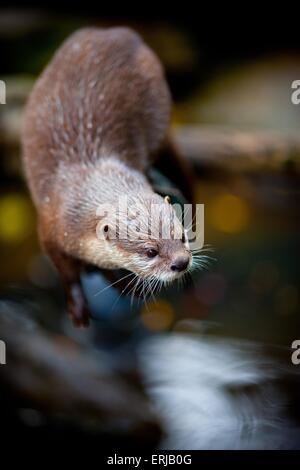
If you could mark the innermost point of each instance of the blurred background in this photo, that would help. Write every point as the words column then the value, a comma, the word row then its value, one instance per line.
column 234, row 121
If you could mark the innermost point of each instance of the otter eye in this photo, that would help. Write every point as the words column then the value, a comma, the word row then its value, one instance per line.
column 151, row 253
column 105, row 228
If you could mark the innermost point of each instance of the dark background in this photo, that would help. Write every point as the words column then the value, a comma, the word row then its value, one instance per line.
column 226, row 67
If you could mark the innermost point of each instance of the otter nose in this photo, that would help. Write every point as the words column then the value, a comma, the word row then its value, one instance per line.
column 180, row 264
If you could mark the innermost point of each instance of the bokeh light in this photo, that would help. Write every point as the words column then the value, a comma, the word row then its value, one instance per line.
column 16, row 218
column 228, row 213
column 158, row 316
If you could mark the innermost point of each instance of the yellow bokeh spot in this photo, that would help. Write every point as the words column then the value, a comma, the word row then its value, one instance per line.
column 16, row 218
column 158, row 316
column 229, row 213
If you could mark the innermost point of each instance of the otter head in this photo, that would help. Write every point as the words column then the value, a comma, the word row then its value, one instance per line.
column 145, row 236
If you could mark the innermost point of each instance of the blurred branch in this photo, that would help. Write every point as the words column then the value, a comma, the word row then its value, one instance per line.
column 234, row 150
column 208, row 147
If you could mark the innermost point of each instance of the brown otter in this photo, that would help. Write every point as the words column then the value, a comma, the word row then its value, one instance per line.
column 94, row 122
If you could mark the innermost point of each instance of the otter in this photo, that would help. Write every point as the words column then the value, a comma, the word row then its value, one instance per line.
column 95, row 122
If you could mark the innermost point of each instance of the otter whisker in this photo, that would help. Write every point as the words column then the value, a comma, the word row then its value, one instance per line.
column 114, row 283
column 161, row 284
column 133, row 290
column 143, row 294
column 189, row 274
column 201, row 253
column 123, row 292
column 148, row 288
column 204, row 258
column 153, row 287
column 203, row 249
column 200, row 265
column 201, row 262
column 156, row 285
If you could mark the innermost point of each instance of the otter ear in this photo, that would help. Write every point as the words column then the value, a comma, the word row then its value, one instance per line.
column 167, row 199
